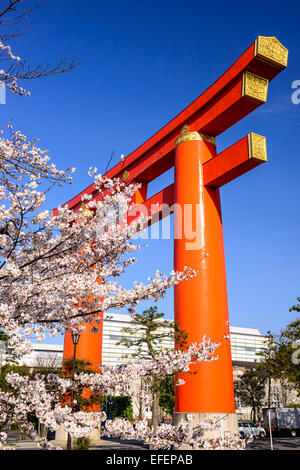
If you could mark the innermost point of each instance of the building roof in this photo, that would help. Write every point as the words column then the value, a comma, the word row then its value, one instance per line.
column 233, row 329
column 245, row 331
column 47, row 347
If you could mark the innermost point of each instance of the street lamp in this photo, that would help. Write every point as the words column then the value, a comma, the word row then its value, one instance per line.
column 75, row 338
column 110, row 403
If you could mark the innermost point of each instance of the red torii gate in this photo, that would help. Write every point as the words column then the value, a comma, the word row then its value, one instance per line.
column 188, row 143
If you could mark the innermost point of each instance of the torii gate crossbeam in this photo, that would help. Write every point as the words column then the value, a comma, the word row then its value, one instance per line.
column 188, row 143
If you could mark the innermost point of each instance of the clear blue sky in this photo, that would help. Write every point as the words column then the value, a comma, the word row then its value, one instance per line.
column 143, row 63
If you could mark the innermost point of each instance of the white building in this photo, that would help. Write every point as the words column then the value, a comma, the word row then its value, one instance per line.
column 245, row 343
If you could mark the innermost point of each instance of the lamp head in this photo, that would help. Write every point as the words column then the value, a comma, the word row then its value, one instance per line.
column 75, row 338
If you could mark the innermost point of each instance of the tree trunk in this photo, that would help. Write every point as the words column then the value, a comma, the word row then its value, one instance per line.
column 141, row 401
column 269, row 392
column 155, row 409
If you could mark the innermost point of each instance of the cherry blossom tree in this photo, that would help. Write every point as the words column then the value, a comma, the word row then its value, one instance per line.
column 13, row 14
column 58, row 271
column 50, row 266
column 44, row 396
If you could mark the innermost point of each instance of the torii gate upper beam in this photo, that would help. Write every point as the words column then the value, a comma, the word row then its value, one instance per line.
column 240, row 90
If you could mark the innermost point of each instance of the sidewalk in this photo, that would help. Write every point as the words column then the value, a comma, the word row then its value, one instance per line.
column 102, row 444
column 117, row 444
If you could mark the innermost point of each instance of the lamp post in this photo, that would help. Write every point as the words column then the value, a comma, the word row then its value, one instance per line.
column 110, row 403
column 75, row 339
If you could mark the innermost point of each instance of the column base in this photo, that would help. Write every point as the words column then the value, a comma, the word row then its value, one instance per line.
column 61, row 437
column 228, row 424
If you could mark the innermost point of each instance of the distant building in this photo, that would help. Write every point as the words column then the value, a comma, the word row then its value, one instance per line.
column 245, row 343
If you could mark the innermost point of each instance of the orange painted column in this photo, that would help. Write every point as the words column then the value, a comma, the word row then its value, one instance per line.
column 201, row 303
column 89, row 347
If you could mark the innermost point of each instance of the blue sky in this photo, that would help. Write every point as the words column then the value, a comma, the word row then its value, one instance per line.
column 143, row 63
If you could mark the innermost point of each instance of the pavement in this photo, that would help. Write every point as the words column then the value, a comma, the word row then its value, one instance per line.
column 116, row 444
column 279, row 443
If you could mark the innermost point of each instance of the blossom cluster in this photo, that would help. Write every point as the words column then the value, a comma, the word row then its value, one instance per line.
column 51, row 264
column 43, row 396
column 60, row 270
column 167, row 437
column 8, row 76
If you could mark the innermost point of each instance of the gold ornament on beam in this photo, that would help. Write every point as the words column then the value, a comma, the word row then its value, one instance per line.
column 125, row 175
column 257, row 147
column 187, row 136
column 255, row 87
column 84, row 211
column 269, row 49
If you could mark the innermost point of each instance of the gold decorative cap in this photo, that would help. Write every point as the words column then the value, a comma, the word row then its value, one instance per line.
column 257, row 147
column 125, row 175
column 269, row 49
column 186, row 136
column 255, row 87
column 84, row 211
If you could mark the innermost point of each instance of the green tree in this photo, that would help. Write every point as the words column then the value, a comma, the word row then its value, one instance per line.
column 84, row 399
column 80, row 366
column 6, row 368
column 119, row 406
column 269, row 363
column 295, row 308
column 5, row 387
column 251, row 391
column 281, row 356
column 3, row 336
column 146, row 332
column 167, row 394
column 289, row 348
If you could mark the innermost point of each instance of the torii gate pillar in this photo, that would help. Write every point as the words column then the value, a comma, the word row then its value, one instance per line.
column 201, row 306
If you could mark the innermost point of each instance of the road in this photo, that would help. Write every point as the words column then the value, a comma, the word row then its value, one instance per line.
column 279, row 443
